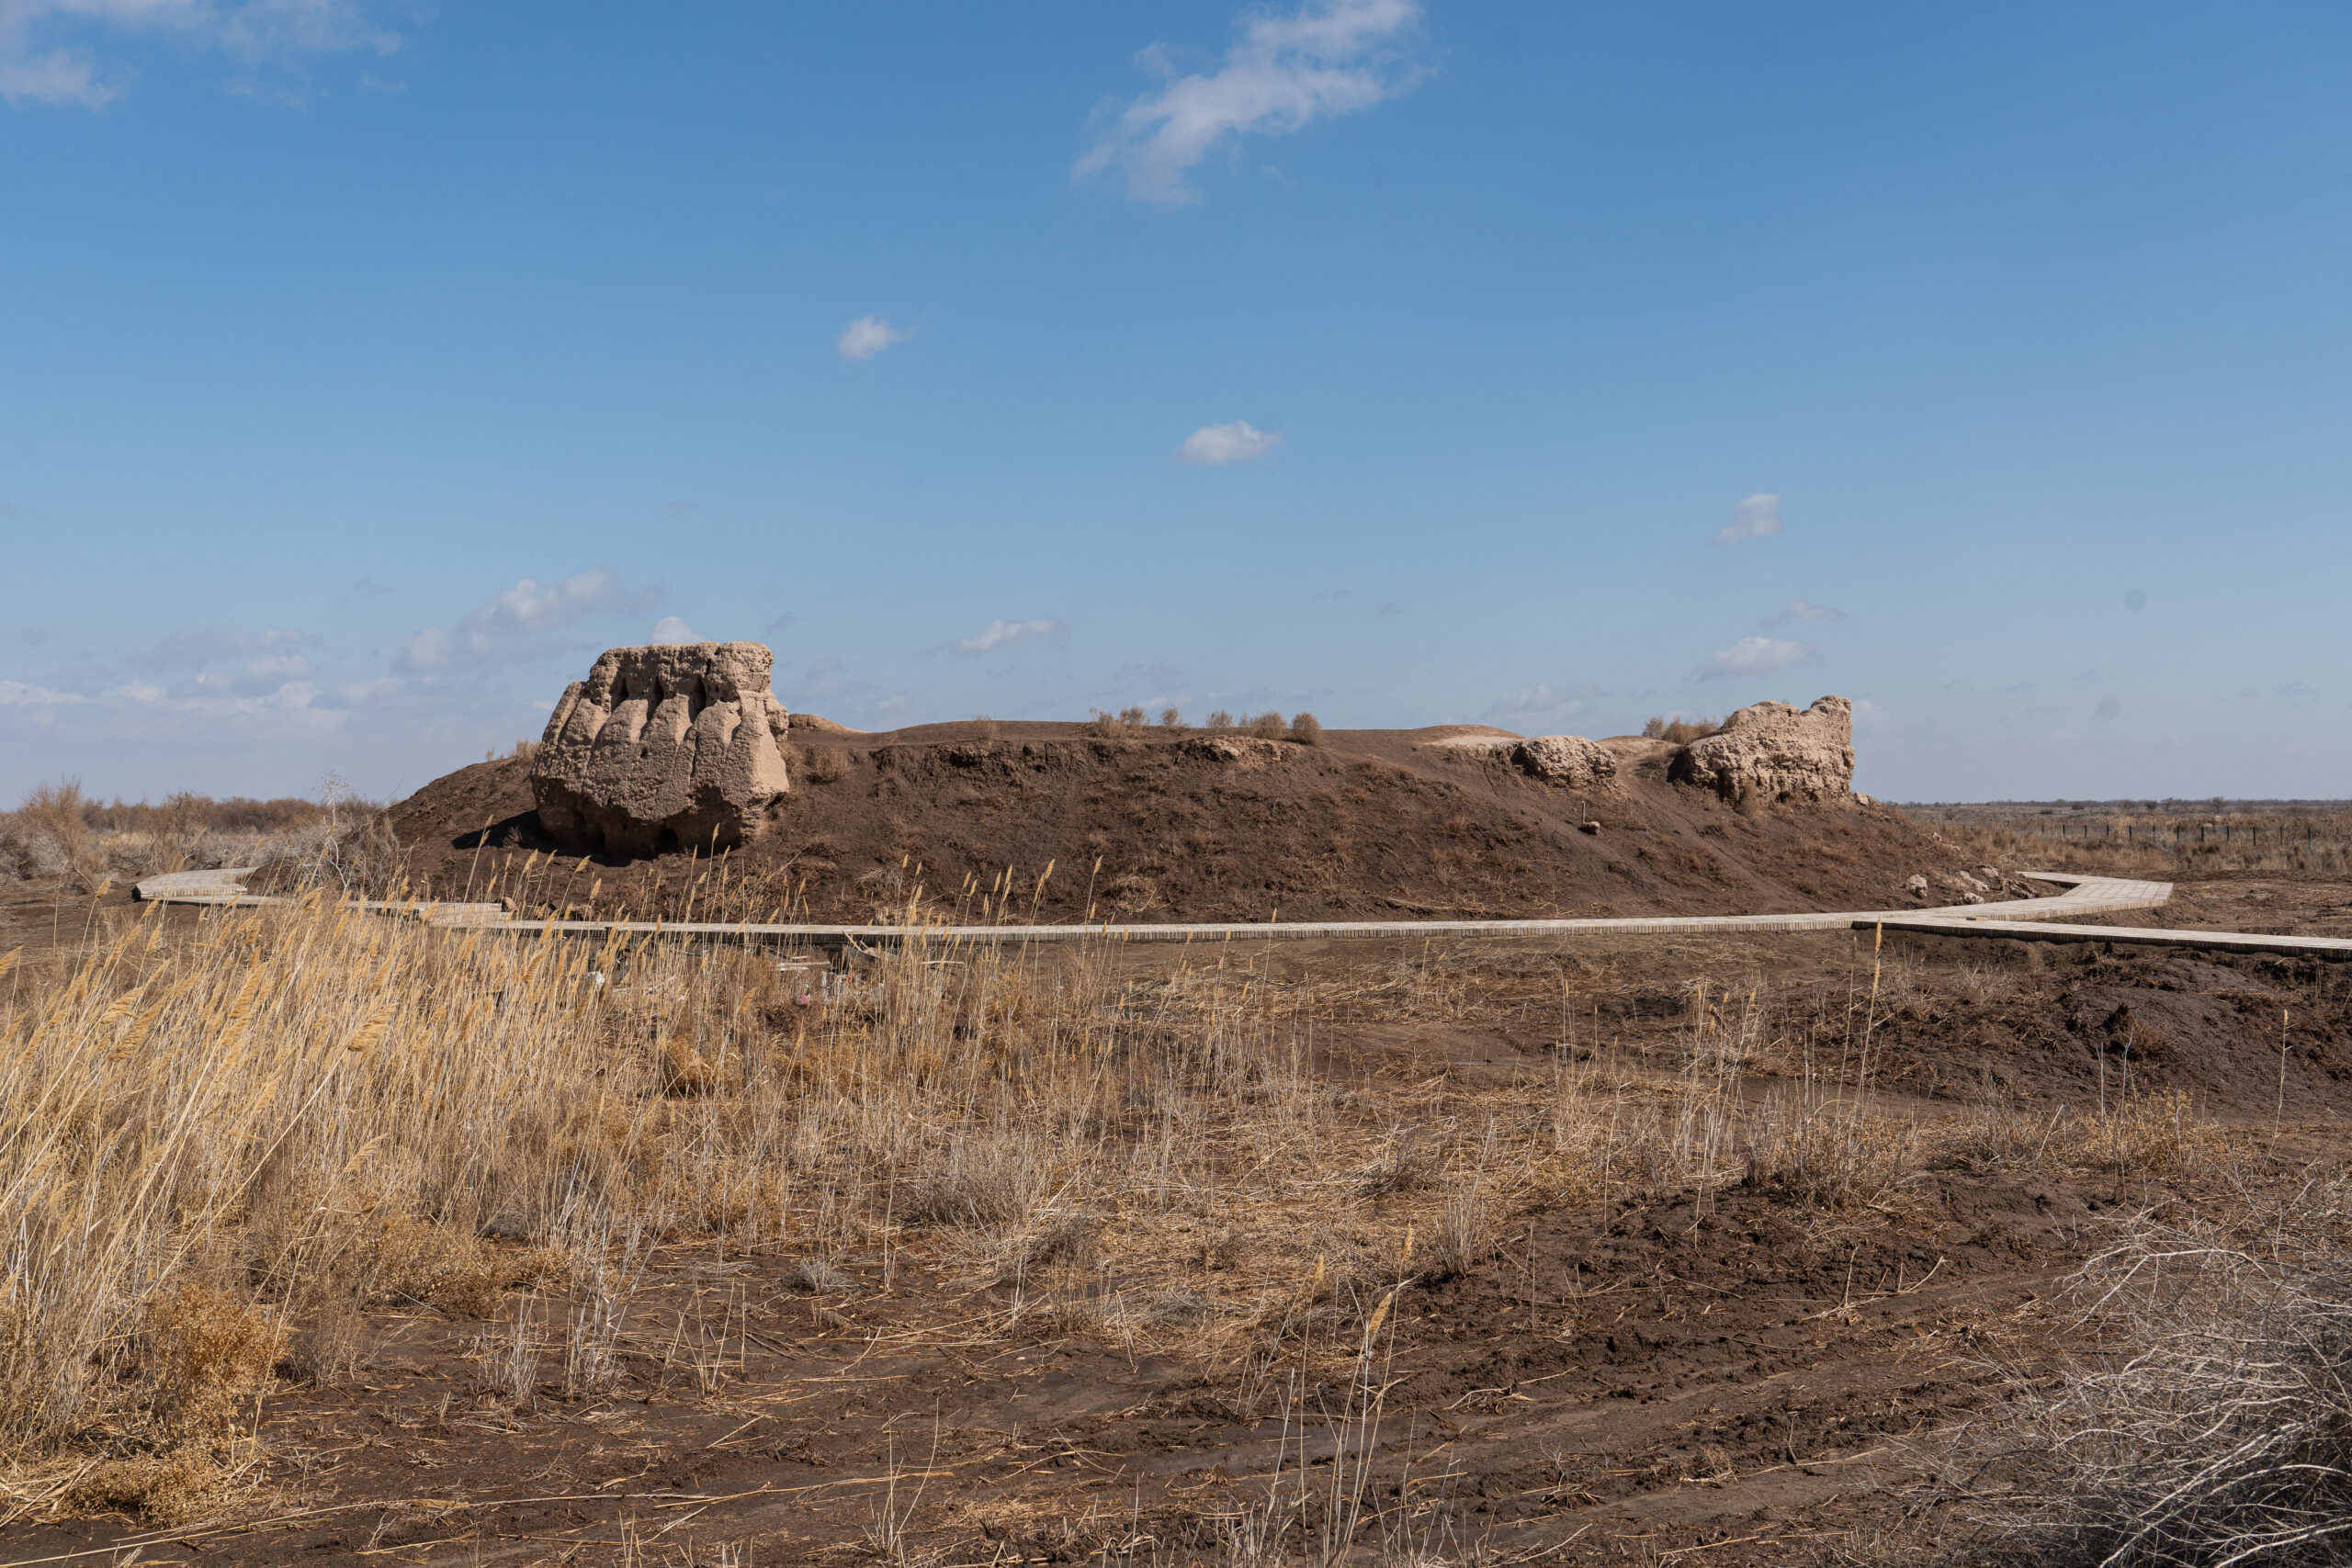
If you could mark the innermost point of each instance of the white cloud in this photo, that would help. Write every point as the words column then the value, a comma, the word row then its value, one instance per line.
column 534, row 606
column 17, row 693
column 255, row 32
column 1799, row 610
column 1758, row 517
column 425, row 651
column 1331, row 57
column 516, row 621
column 1240, row 442
column 60, row 77
column 1757, row 656
column 867, row 336
column 1006, row 634
column 670, row 628
column 1543, row 703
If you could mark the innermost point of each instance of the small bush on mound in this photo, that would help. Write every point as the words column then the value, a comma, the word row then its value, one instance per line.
column 1220, row 719
column 1267, row 726
column 1306, row 729
column 1679, row 731
column 2214, row 1424
column 823, row 764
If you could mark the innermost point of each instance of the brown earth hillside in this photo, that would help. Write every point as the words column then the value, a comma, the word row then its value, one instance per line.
column 1147, row 824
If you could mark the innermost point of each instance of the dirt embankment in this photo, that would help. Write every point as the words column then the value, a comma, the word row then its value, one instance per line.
column 1152, row 824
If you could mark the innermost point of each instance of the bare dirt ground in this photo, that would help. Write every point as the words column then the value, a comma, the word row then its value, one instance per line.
column 1145, row 824
column 1622, row 1366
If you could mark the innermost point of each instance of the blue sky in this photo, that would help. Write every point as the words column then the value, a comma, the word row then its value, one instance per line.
column 366, row 368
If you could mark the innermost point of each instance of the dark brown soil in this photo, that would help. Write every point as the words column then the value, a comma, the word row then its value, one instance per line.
column 1152, row 824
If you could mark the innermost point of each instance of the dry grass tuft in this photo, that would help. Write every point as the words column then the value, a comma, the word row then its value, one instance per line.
column 2212, row 1425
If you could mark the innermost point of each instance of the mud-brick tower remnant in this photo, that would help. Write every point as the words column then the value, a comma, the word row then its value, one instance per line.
column 663, row 748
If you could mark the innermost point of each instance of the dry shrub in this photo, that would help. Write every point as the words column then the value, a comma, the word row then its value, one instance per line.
column 1220, row 719
column 329, row 1343
column 2158, row 1135
column 2211, row 1422
column 50, row 835
column 1836, row 1154
column 1464, row 1237
column 199, row 1359
column 1306, row 729
column 824, row 764
column 816, row 1277
column 1267, row 725
column 1170, row 718
column 988, row 1180
column 1403, row 1165
column 1134, row 893
column 1054, row 1239
column 1999, row 1132
column 2146, row 1134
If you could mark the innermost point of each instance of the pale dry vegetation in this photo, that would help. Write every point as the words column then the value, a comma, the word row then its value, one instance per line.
column 59, row 834
column 2155, row 844
column 2205, row 1416
column 228, row 1141
column 1679, row 731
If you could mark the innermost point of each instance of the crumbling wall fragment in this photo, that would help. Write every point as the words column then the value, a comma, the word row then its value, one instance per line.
column 662, row 748
column 1771, row 752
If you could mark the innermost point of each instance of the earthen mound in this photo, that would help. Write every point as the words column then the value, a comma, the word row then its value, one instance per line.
column 1771, row 752
column 662, row 747
column 1151, row 823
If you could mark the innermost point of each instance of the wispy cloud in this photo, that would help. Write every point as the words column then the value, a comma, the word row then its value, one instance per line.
column 203, row 648
column 1758, row 517
column 671, row 629
column 867, row 336
column 1284, row 73
column 1218, row 445
column 1757, row 656
column 516, row 621
column 1007, row 634
column 17, row 693
column 1542, row 704
column 54, row 76
column 1799, row 610
column 49, row 49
